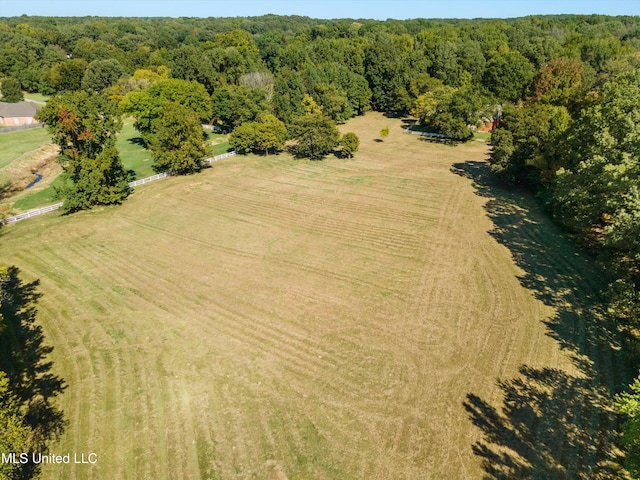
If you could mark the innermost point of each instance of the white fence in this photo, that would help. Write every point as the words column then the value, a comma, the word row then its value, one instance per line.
column 33, row 213
column 220, row 157
column 152, row 178
column 56, row 206
column 427, row 134
column 215, row 128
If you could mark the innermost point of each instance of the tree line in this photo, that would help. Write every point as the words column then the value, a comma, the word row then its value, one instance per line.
column 563, row 91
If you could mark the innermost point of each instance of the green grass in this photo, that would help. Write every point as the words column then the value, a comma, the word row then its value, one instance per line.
column 219, row 148
column 486, row 136
column 41, row 198
column 36, row 97
column 15, row 144
column 133, row 155
column 213, row 147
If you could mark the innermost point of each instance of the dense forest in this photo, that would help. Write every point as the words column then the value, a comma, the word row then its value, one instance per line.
column 562, row 91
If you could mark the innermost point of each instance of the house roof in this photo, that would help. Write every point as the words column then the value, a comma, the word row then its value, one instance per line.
column 22, row 109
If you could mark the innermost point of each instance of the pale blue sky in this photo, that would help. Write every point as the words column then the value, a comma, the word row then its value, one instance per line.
column 377, row 9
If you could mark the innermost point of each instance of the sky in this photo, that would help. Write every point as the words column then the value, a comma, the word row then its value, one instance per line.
column 376, row 9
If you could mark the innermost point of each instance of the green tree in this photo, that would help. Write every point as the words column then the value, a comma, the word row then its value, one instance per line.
column 334, row 101
column 288, row 92
column 628, row 404
column 431, row 102
column 559, row 81
column 243, row 138
column 67, row 76
column 271, row 134
column 453, row 127
column 501, row 150
column 604, row 147
column 177, row 144
column 384, row 132
column 349, row 143
column 84, row 126
column 11, row 92
column 148, row 105
column 315, row 135
column 530, row 152
column 233, row 106
column 14, row 431
column 102, row 74
column 190, row 63
column 508, row 75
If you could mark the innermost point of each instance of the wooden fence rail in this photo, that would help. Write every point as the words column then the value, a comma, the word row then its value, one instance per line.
column 50, row 208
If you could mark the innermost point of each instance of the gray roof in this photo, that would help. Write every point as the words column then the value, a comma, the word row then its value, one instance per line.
column 22, row 109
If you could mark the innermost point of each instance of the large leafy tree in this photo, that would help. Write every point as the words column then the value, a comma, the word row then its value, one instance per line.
column 508, row 75
column 67, row 75
column 177, row 144
column 271, row 134
column 595, row 188
column 559, row 81
column 233, row 106
column 189, row 63
column 526, row 147
column 11, row 92
column 14, row 430
column 84, row 126
column 267, row 135
column 102, row 74
column 148, row 105
column 243, row 138
column 316, row 135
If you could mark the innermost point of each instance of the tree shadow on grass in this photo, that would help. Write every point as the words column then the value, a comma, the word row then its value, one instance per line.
column 138, row 141
column 451, row 142
column 23, row 357
column 552, row 424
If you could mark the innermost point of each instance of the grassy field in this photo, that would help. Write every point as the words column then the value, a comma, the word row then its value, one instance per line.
column 15, row 144
column 35, row 97
column 340, row 319
column 39, row 198
column 135, row 157
column 132, row 153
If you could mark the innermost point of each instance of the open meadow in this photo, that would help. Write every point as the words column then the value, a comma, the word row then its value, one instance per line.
column 273, row 318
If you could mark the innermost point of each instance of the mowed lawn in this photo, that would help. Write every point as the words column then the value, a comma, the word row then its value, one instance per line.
column 15, row 144
column 273, row 318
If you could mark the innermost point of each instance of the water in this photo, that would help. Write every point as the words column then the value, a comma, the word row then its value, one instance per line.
column 37, row 179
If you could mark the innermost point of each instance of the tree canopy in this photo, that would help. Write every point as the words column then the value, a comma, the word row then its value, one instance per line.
column 177, row 143
column 11, row 92
column 315, row 134
column 84, row 126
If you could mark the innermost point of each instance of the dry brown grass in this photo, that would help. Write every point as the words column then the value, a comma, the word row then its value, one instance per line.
column 15, row 176
column 273, row 318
